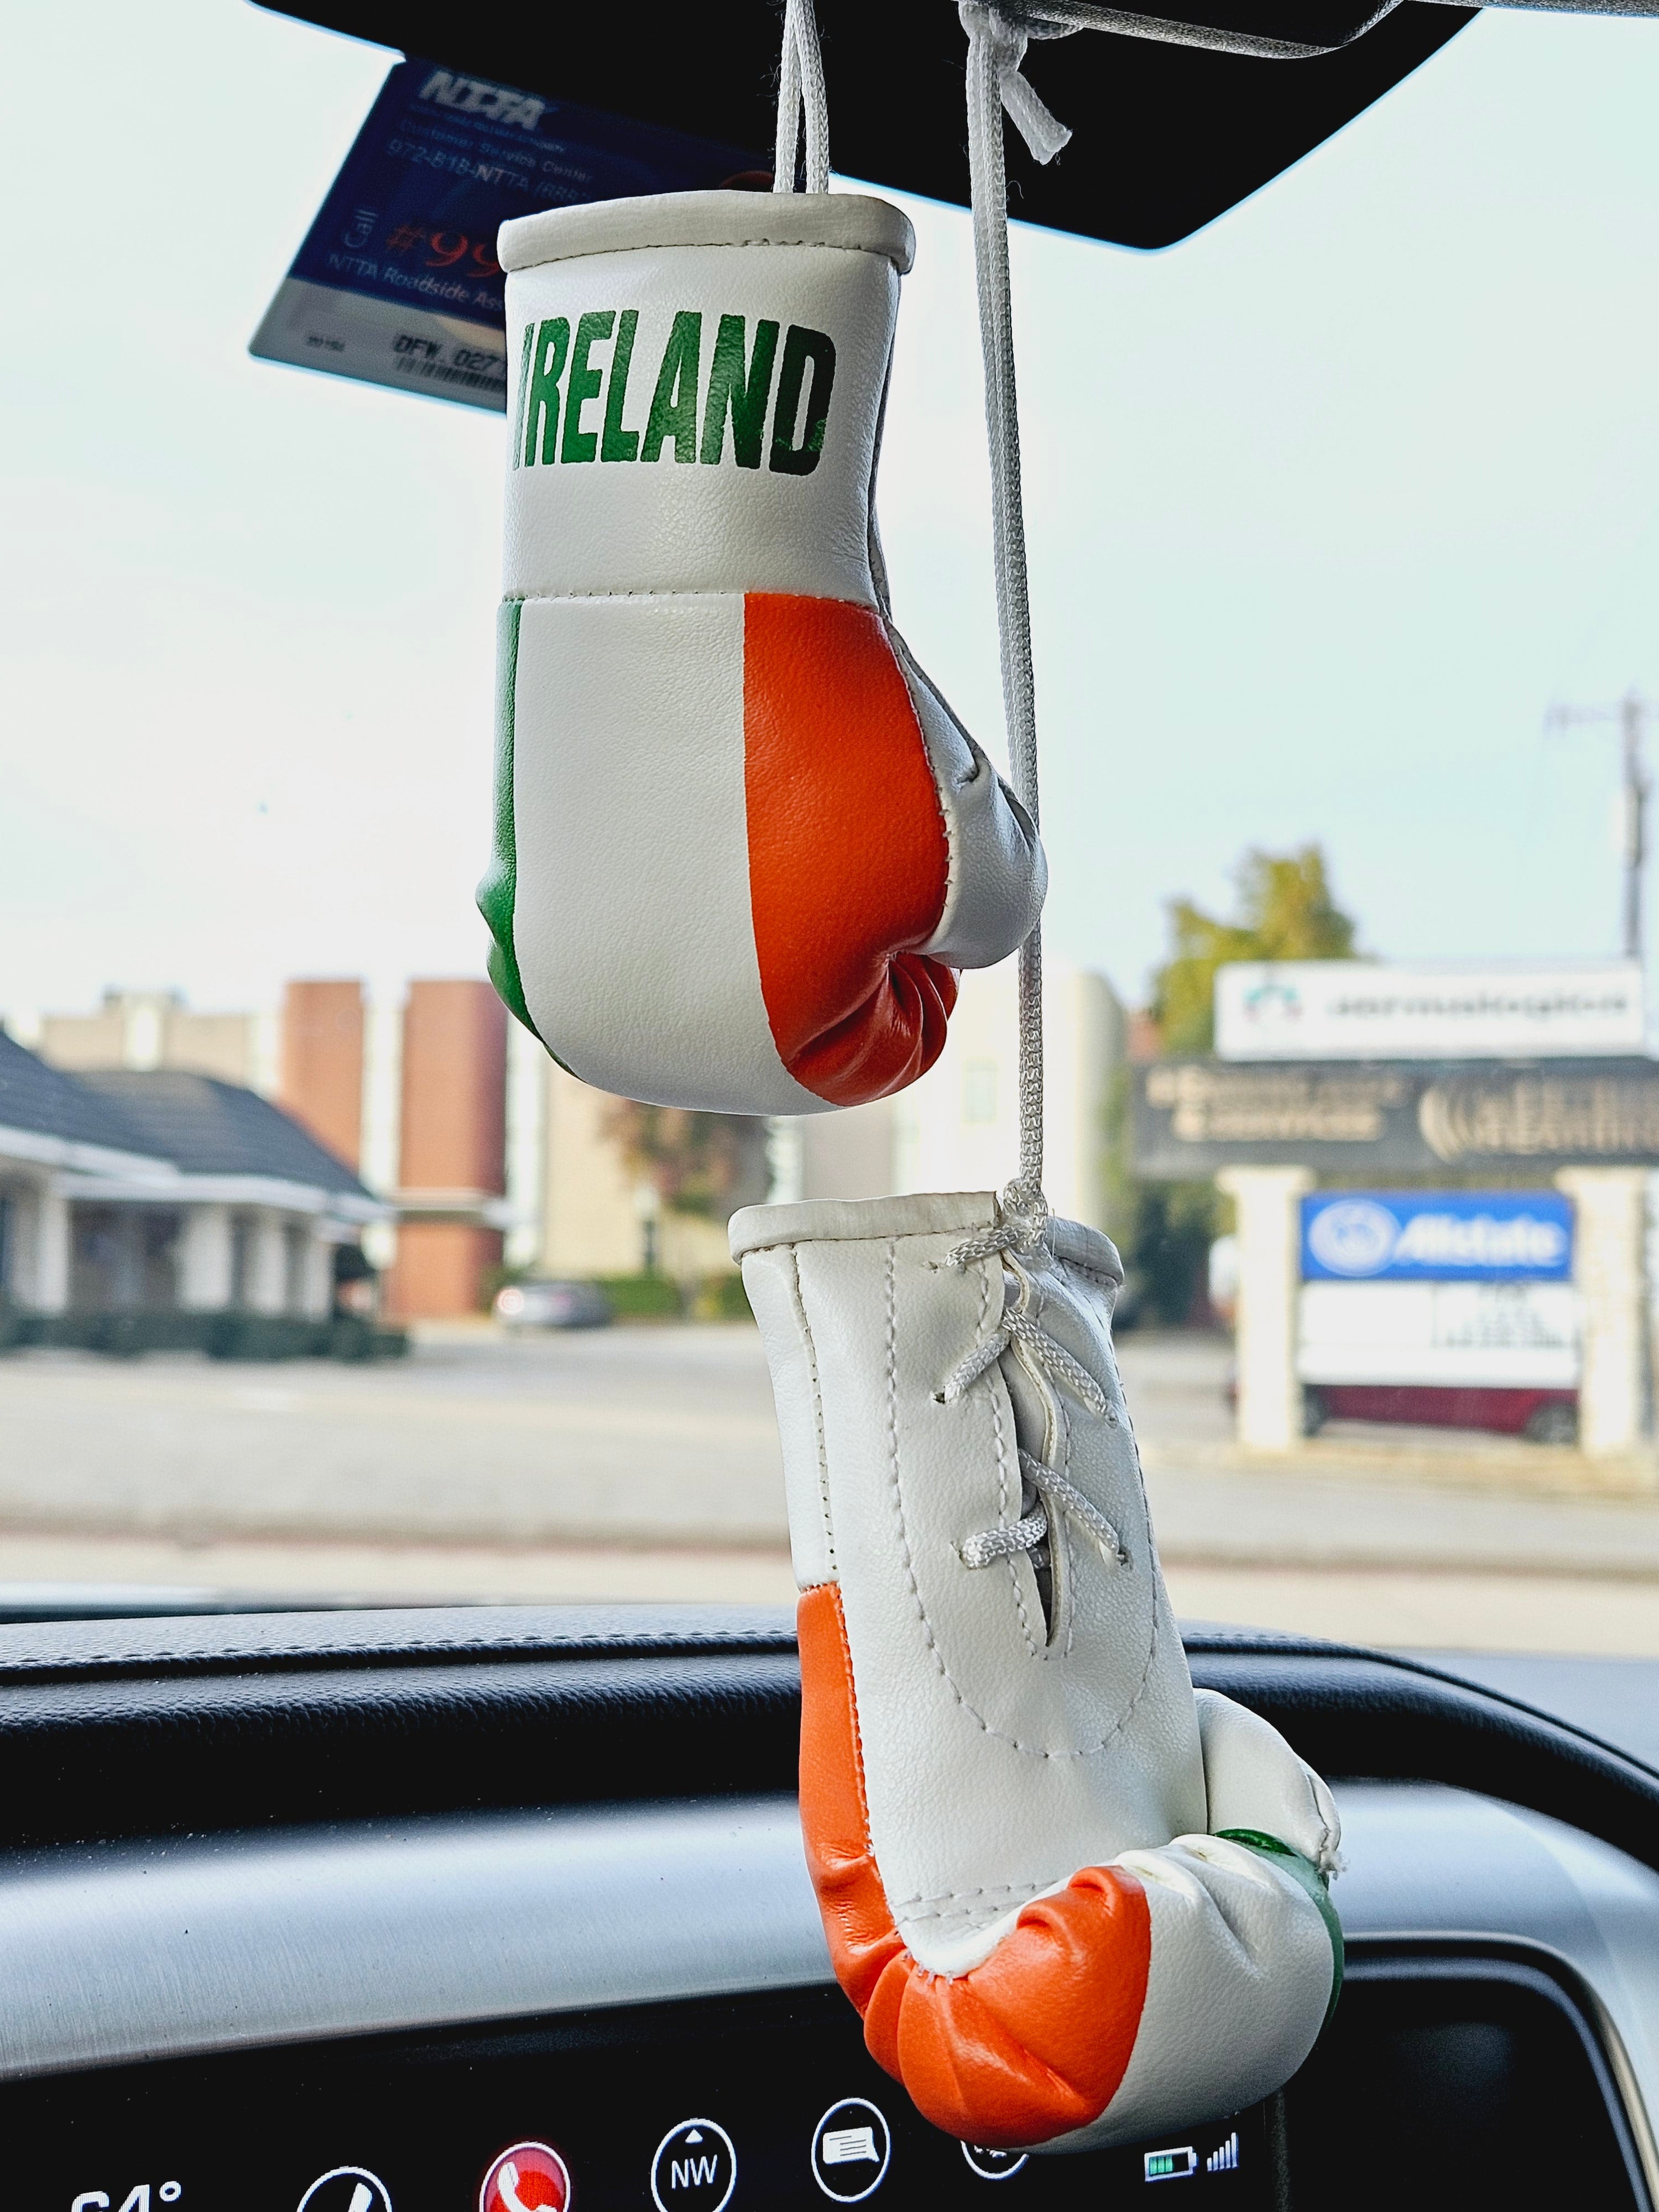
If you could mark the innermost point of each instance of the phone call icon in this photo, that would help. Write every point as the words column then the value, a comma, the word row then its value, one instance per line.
column 529, row 2177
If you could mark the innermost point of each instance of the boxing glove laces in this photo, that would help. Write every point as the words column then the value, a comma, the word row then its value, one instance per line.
column 742, row 842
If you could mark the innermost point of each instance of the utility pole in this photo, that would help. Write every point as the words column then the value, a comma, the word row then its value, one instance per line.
column 1631, row 715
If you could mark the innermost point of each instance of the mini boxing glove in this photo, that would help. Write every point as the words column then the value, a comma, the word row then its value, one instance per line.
column 1075, row 1901
column 742, row 844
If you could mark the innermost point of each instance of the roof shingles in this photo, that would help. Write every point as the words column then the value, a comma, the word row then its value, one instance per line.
column 209, row 1128
column 202, row 1126
column 47, row 1103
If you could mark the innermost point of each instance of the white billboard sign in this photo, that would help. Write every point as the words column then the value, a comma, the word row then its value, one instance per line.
column 1368, row 1010
column 1463, row 1335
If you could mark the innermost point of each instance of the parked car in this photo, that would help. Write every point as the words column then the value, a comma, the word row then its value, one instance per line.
column 546, row 1304
column 1543, row 1417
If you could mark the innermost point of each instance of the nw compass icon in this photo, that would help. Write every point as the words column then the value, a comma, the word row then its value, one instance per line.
column 695, row 2168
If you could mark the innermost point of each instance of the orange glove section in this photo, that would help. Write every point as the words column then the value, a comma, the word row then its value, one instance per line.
column 1024, row 2047
column 849, row 855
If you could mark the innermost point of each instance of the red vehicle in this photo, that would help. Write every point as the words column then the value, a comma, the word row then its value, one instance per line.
column 1543, row 1417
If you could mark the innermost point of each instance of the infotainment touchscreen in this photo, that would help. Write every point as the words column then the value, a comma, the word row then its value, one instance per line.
column 762, row 2105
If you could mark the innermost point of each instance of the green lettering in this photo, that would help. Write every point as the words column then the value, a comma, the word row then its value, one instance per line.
column 620, row 445
column 674, row 402
column 799, row 348
column 523, row 392
column 542, row 409
column 741, row 390
column 581, row 445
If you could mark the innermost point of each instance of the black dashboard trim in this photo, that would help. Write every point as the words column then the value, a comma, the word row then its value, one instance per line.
column 208, row 1724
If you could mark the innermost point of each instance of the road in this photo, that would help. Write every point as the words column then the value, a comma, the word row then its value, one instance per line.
column 642, row 1462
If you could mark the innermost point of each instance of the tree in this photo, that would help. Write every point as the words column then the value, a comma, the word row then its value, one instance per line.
column 1286, row 911
column 700, row 1163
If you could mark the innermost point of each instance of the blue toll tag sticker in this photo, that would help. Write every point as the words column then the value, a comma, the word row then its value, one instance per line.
column 398, row 283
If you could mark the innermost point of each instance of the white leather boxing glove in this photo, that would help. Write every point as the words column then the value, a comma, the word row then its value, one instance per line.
column 742, row 844
column 1075, row 1902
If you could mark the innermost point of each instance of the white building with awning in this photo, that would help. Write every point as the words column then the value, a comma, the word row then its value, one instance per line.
column 161, row 1191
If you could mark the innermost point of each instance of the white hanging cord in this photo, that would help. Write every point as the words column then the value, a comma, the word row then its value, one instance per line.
column 800, row 91
column 996, row 48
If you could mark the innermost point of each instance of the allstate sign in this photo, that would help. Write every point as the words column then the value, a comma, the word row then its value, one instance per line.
column 1436, row 1237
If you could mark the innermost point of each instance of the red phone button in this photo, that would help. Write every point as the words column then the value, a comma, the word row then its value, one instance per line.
column 531, row 2177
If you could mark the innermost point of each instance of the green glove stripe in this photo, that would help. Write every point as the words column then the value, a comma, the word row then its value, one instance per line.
column 1306, row 1874
column 498, row 892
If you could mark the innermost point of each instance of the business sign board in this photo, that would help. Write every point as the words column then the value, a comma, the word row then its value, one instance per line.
column 398, row 283
column 1438, row 1236
column 1466, row 1336
column 1462, row 1289
column 1194, row 1116
column 1364, row 1009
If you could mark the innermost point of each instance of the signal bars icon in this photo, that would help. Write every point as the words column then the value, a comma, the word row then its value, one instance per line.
column 1224, row 2161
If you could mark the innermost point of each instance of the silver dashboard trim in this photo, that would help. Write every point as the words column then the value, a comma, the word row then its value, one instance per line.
column 144, row 1950
column 1430, row 1865
column 151, row 1950
column 1637, row 2109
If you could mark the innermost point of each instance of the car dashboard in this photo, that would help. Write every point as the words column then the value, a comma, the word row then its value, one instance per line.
column 411, row 1912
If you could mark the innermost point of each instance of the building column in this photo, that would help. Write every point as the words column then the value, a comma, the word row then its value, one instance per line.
column 527, row 1067
column 590, row 1225
column 43, row 1282
column 267, row 1268
column 1269, row 1412
column 317, row 1302
column 204, row 1259
column 1609, row 1232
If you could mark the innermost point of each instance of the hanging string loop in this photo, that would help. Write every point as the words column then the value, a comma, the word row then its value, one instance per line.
column 801, row 96
column 996, row 50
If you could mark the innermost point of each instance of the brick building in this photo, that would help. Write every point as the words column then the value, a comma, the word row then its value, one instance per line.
column 319, row 1075
column 452, row 1153
column 460, row 1124
column 412, row 1098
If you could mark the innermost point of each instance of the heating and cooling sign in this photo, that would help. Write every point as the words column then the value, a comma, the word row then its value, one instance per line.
column 1436, row 1237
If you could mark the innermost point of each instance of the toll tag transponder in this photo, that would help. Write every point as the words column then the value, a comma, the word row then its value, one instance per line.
column 397, row 283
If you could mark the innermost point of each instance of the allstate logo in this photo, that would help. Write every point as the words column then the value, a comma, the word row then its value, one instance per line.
column 1355, row 1236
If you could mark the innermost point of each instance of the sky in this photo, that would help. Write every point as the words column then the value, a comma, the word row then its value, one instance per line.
column 1326, row 506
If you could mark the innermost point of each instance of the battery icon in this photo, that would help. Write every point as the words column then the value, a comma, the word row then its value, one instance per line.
column 1171, row 2165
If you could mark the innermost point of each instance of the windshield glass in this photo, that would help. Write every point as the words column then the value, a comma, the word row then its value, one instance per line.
column 320, row 1282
